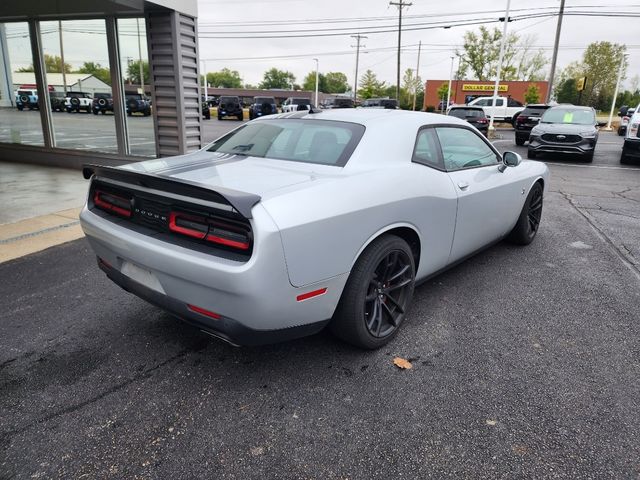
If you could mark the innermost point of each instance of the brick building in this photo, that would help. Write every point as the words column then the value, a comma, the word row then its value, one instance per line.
column 463, row 91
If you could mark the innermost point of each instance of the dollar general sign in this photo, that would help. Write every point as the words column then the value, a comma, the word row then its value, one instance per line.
column 470, row 87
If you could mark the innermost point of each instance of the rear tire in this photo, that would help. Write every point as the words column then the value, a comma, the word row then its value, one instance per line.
column 624, row 158
column 377, row 295
column 529, row 220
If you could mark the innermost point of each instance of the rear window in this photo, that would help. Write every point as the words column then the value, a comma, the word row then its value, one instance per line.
column 466, row 112
column 265, row 100
column 297, row 140
column 573, row 116
column 535, row 111
column 300, row 101
column 229, row 99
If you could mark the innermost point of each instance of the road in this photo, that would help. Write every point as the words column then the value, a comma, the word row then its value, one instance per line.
column 525, row 365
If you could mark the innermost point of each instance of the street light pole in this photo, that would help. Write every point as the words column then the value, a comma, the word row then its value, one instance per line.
column 355, row 81
column 615, row 95
column 64, row 74
column 552, row 73
column 500, row 58
column 140, row 58
column 415, row 89
column 317, row 65
column 449, row 89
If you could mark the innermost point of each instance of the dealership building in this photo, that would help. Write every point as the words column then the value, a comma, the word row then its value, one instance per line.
column 115, row 35
column 463, row 91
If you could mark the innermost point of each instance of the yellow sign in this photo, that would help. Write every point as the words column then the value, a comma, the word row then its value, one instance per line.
column 580, row 83
column 470, row 87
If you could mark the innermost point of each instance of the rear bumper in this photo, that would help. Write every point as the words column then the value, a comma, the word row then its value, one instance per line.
column 255, row 300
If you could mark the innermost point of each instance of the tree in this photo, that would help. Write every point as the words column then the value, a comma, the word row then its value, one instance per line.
column 532, row 95
column 410, row 86
column 370, row 86
column 97, row 71
column 443, row 92
column 481, row 52
column 225, row 78
column 565, row 91
column 52, row 64
column 133, row 72
column 336, row 82
column 274, row 78
column 309, row 82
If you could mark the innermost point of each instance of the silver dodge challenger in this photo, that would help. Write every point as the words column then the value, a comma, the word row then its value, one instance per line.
column 293, row 222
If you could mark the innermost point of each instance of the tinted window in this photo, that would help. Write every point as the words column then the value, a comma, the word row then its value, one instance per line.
column 573, row 116
column 308, row 141
column 534, row 111
column 300, row 101
column 426, row 149
column 462, row 148
column 483, row 103
column 264, row 100
column 513, row 103
column 466, row 112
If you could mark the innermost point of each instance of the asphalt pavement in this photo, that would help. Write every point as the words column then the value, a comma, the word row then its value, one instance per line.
column 526, row 364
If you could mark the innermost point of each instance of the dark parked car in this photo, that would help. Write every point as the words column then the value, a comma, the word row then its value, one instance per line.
column 137, row 103
column 102, row 103
column 339, row 103
column 565, row 129
column 262, row 106
column 57, row 101
column 230, row 107
column 528, row 119
column 206, row 111
column 474, row 115
column 624, row 121
column 388, row 103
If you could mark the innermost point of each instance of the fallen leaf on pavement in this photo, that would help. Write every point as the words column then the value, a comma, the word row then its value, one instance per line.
column 402, row 363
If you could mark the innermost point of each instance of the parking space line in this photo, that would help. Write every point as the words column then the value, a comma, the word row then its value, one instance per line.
column 630, row 169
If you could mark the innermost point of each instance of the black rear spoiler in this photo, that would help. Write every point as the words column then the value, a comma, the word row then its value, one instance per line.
column 242, row 202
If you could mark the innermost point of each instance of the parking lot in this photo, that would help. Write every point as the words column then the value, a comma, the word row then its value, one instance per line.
column 526, row 363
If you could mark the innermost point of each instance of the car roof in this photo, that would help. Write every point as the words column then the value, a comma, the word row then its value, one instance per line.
column 573, row 107
column 466, row 107
column 368, row 116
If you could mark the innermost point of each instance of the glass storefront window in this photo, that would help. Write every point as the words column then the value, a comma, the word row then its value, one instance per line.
column 81, row 95
column 132, row 38
column 19, row 116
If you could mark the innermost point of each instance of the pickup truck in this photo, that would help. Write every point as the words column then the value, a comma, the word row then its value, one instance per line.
column 293, row 104
column 506, row 109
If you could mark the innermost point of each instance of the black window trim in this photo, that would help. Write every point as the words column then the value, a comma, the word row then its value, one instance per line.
column 440, row 166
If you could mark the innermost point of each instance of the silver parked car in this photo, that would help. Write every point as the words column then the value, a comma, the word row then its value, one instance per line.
column 565, row 129
column 295, row 221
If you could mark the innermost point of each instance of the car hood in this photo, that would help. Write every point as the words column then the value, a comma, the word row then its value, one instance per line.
column 242, row 173
column 562, row 128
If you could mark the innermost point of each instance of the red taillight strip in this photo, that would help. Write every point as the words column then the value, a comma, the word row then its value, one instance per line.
column 315, row 293
column 184, row 231
column 110, row 206
column 204, row 312
column 227, row 242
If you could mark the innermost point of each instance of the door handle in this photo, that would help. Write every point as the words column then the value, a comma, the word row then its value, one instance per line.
column 463, row 185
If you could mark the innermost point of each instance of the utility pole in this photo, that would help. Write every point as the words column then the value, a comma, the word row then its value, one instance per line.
column 64, row 74
column 499, row 69
column 449, row 89
column 317, row 75
column 615, row 95
column 415, row 89
column 140, row 58
column 358, row 37
column 204, row 81
column 552, row 73
column 400, row 4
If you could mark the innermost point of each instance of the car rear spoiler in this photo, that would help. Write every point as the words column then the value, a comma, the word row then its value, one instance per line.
column 242, row 202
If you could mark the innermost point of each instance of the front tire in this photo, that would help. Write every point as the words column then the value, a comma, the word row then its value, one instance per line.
column 377, row 295
column 520, row 141
column 529, row 220
column 531, row 154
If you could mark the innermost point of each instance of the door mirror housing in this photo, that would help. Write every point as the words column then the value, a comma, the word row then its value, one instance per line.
column 510, row 159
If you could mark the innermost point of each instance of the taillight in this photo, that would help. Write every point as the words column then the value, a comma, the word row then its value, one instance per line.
column 210, row 229
column 521, row 119
column 483, row 120
column 112, row 203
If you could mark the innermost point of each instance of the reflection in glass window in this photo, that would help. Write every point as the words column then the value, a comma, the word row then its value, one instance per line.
column 134, row 65
column 462, row 148
column 77, row 70
column 19, row 116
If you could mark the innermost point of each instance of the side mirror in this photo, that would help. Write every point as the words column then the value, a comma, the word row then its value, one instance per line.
column 510, row 159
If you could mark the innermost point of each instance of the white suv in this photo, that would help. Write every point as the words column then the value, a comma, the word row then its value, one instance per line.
column 631, row 147
column 76, row 101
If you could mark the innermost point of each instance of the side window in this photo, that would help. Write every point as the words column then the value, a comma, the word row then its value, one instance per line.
column 426, row 149
column 483, row 103
column 513, row 103
column 499, row 102
column 462, row 148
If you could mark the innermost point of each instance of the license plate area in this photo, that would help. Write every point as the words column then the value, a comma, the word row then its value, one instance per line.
column 141, row 275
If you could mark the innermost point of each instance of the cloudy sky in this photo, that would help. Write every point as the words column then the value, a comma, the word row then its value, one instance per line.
column 232, row 34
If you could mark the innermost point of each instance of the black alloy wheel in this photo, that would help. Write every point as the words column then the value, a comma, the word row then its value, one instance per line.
column 377, row 295
column 388, row 292
column 529, row 220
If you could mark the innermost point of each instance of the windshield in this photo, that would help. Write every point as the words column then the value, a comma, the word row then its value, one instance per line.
column 466, row 112
column 534, row 111
column 571, row 116
column 297, row 140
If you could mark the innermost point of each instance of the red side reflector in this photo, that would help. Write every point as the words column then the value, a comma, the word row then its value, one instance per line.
column 204, row 312
column 308, row 295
